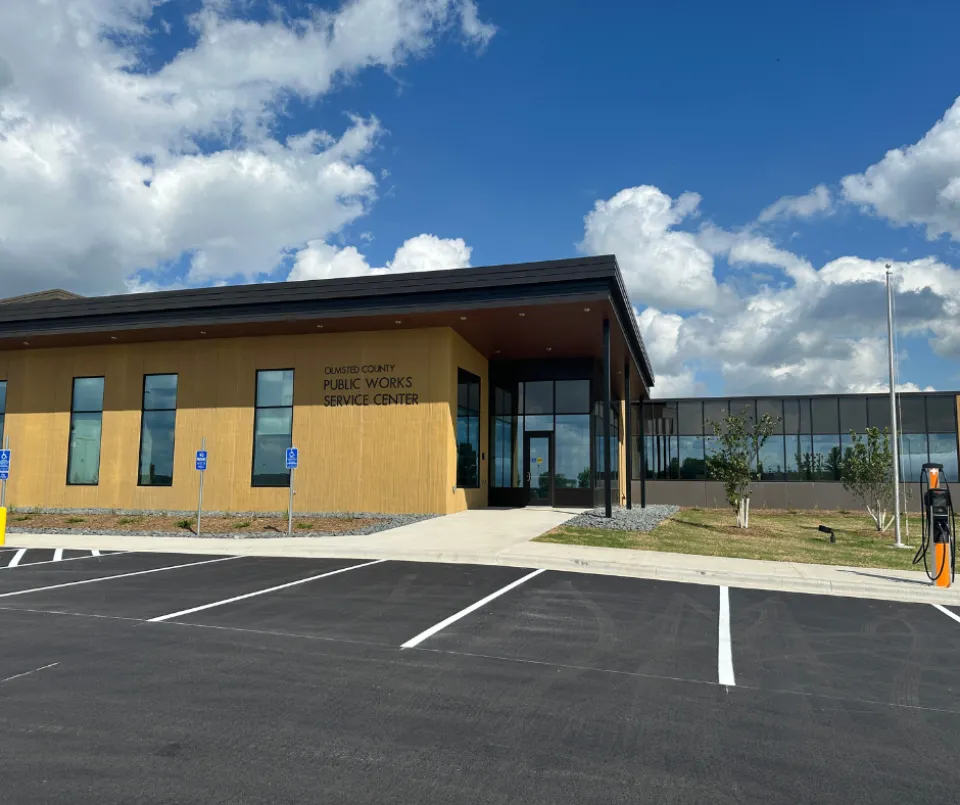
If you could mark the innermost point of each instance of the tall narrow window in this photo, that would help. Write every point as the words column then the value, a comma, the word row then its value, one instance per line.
column 3, row 410
column 468, row 430
column 272, row 427
column 86, row 420
column 158, row 421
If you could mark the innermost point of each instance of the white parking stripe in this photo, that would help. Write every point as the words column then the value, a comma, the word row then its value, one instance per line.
column 725, row 651
column 58, row 555
column 50, row 561
column 947, row 612
column 116, row 576
column 183, row 612
column 416, row 641
column 17, row 557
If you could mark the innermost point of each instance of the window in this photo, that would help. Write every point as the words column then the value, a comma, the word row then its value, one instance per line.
column 943, row 450
column 799, row 458
column 573, row 450
column 272, row 427
column 913, row 455
column 693, row 466
column 86, row 420
column 505, row 445
column 468, row 428
column 771, row 459
column 826, row 459
column 661, row 460
column 537, row 397
column 3, row 408
column 158, row 421
column 573, row 396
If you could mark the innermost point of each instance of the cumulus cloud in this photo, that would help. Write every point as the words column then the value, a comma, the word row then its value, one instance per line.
column 320, row 260
column 661, row 265
column 805, row 329
column 916, row 184
column 816, row 201
column 116, row 174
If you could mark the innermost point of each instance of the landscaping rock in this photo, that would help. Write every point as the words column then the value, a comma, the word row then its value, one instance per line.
column 635, row 519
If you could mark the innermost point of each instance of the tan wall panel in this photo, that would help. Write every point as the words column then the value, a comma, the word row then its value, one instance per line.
column 390, row 458
column 464, row 356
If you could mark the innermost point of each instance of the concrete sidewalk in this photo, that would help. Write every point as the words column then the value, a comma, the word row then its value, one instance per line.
column 503, row 537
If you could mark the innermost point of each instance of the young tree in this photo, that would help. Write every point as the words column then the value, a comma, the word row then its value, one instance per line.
column 868, row 474
column 739, row 440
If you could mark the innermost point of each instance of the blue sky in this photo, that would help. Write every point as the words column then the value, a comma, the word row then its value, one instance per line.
column 150, row 148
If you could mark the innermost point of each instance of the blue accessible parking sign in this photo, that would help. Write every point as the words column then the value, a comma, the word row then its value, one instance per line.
column 201, row 460
column 293, row 458
column 4, row 465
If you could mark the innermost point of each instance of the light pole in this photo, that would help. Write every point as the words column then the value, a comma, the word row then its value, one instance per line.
column 893, row 414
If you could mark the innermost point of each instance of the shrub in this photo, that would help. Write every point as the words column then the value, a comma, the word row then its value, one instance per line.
column 242, row 524
column 76, row 519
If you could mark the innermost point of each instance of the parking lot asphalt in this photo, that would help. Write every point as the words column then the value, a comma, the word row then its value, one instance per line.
column 149, row 678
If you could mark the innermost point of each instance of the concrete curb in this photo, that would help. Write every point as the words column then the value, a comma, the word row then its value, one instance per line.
column 893, row 589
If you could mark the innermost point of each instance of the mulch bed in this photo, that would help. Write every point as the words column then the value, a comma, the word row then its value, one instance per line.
column 210, row 524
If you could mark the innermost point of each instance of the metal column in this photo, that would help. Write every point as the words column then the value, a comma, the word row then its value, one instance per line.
column 643, row 460
column 628, row 436
column 607, row 406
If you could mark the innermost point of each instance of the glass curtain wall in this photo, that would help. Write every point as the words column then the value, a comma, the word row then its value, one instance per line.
column 811, row 439
column 561, row 407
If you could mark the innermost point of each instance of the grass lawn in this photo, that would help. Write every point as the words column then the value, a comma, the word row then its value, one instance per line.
column 786, row 536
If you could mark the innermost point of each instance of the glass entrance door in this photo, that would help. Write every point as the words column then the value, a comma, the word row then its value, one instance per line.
column 538, row 460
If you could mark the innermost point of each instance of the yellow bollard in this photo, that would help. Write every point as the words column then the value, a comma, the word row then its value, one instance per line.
column 3, row 525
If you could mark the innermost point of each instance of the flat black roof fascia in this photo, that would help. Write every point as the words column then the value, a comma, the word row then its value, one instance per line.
column 884, row 394
column 540, row 282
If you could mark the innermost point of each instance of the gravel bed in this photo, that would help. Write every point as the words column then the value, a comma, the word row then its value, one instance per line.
column 635, row 519
column 384, row 523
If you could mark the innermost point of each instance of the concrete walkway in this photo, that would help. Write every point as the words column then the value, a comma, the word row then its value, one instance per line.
column 503, row 537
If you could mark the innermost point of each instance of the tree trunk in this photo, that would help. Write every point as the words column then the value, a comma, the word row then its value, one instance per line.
column 740, row 513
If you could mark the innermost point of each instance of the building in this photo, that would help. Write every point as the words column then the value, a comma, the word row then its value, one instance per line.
column 414, row 393
column 800, row 462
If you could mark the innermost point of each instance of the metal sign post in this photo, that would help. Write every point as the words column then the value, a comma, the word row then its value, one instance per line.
column 202, row 469
column 293, row 458
column 4, row 471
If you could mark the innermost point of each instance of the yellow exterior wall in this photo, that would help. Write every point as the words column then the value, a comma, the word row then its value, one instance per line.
column 464, row 356
column 379, row 458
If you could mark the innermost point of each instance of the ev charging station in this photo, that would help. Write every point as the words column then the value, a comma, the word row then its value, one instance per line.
column 938, row 546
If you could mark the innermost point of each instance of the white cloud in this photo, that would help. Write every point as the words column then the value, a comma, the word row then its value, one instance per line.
column 805, row 329
column 661, row 265
column 816, row 201
column 916, row 184
column 320, row 260
column 103, row 177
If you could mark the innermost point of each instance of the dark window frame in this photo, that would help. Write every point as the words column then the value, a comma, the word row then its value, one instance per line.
column 143, row 410
column 468, row 381
column 256, row 409
column 73, row 391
